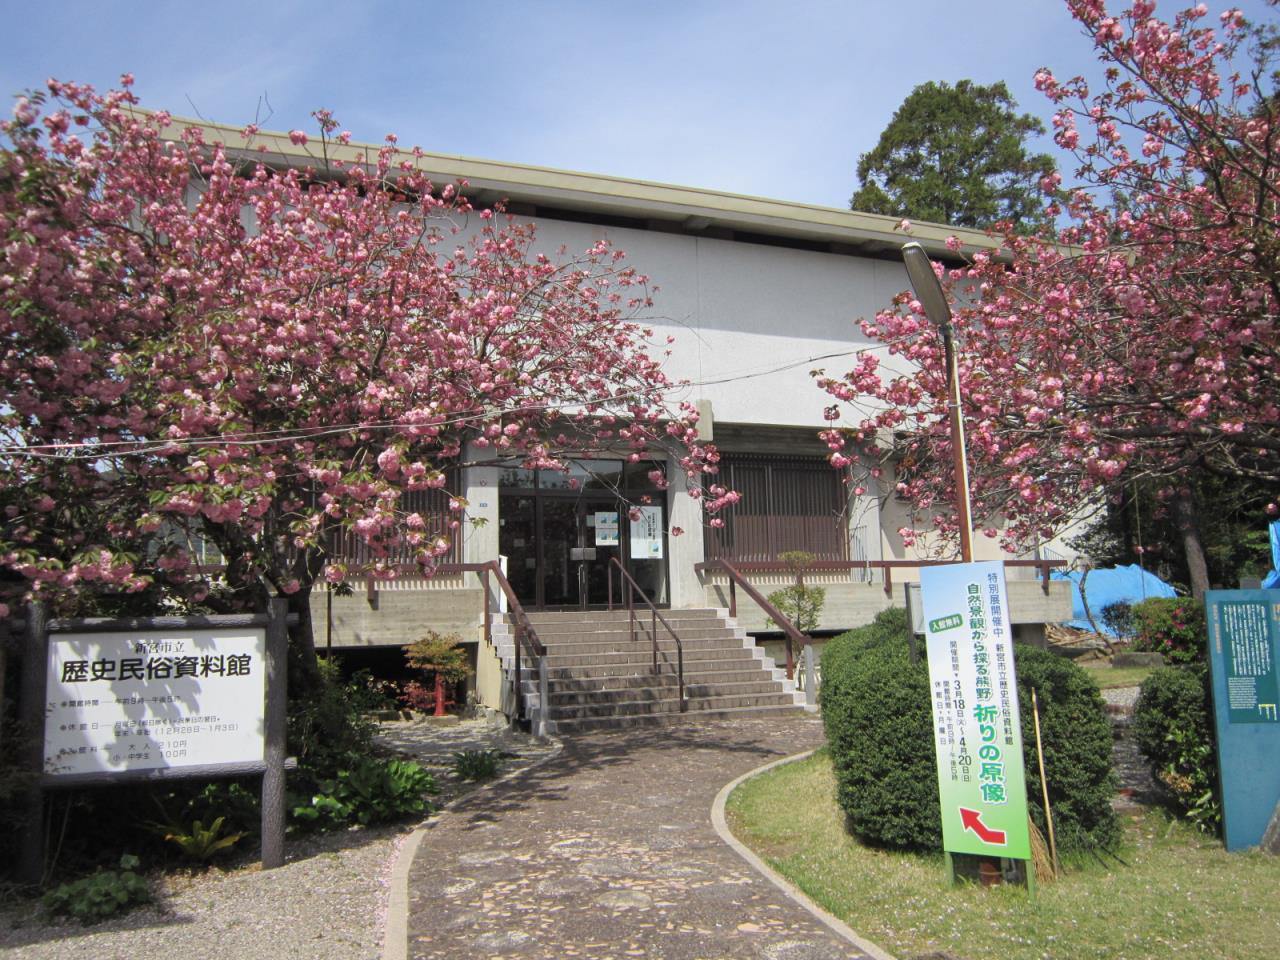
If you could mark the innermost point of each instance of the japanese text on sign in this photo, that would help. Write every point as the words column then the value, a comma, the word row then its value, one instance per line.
column 119, row 701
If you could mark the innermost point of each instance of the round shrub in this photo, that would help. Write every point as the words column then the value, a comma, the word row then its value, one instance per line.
column 879, row 722
column 875, row 707
column 1173, row 725
column 1173, row 626
column 1077, row 739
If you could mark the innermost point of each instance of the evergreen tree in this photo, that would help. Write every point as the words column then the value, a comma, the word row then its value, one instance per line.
column 956, row 155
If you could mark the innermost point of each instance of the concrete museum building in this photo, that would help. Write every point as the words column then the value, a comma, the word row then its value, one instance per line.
column 756, row 294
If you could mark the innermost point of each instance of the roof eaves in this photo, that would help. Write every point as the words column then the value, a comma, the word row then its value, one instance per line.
column 601, row 193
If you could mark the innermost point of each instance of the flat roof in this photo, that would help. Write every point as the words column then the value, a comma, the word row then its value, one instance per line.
column 688, row 209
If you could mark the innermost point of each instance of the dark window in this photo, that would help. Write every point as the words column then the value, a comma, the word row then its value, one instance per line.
column 788, row 503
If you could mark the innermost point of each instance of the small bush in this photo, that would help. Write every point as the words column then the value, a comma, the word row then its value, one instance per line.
column 1173, row 725
column 100, row 895
column 417, row 697
column 878, row 716
column 327, row 726
column 370, row 694
column 1118, row 618
column 369, row 791
column 477, row 764
column 799, row 603
column 1173, row 626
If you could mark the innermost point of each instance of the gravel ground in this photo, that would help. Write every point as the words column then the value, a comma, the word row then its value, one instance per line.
column 1121, row 697
column 328, row 901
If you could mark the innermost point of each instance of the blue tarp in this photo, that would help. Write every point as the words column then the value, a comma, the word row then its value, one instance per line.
column 1272, row 580
column 1129, row 584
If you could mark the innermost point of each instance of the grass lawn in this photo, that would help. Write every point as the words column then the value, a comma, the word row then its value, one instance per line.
column 1108, row 677
column 1181, row 895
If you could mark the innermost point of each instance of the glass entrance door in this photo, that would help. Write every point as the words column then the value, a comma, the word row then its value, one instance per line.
column 578, row 539
column 558, row 549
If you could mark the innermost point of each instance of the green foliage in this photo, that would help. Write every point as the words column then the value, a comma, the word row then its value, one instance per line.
column 876, row 707
column 437, row 653
column 1173, row 725
column 1077, row 738
column 1118, row 618
column 1229, row 515
column 200, row 842
column 1173, row 626
column 369, row 791
column 327, row 726
column 100, row 895
column 369, row 694
column 477, row 764
column 955, row 155
column 799, row 603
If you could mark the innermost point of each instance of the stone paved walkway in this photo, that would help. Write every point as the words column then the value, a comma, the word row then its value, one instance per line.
column 607, row 851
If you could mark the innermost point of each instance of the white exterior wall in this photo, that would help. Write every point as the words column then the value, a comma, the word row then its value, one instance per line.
column 740, row 310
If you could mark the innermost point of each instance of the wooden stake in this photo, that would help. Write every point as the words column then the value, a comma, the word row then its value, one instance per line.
column 1044, row 786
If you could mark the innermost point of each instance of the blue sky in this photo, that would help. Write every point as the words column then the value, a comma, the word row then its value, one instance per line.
column 766, row 98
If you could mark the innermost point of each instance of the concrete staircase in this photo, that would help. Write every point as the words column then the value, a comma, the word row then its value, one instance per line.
column 599, row 679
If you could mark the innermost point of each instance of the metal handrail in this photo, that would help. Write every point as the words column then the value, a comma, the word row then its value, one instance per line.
column 888, row 566
column 736, row 579
column 525, row 635
column 632, row 588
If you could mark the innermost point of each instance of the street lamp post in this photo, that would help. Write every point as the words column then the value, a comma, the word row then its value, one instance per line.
column 929, row 292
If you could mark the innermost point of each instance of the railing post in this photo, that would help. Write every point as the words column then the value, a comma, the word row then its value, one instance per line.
column 810, row 676
column 544, row 706
column 684, row 706
column 609, row 573
column 519, row 687
column 488, row 608
column 888, row 580
column 791, row 664
column 733, row 598
column 653, row 635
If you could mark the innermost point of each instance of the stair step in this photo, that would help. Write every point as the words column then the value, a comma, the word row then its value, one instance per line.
column 626, row 708
column 645, row 646
column 585, row 631
column 645, row 655
column 579, row 684
column 604, row 724
column 571, row 617
column 614, row 667
column 623, row 635
column 664, row 691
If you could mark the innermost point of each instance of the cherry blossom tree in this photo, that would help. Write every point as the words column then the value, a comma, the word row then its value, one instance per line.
column 1138, row 340
column 204, row 344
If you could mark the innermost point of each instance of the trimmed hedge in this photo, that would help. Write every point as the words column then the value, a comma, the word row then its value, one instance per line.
column 1173, row 725
column 879, row 722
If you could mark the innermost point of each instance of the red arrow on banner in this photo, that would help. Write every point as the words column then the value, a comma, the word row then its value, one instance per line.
column 972, row 820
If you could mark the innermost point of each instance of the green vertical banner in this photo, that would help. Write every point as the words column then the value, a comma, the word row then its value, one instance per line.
column 1244, row 661
column 977, row 733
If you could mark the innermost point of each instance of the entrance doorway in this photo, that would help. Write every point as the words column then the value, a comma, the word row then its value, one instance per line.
column 560, row 543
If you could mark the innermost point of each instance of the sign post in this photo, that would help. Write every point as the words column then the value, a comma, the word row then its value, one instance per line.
column 977, row 731
column 1244, row 660
column 155, row 698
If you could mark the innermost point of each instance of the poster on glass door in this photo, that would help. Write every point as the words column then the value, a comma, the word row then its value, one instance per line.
column 606, row 527
column 646, row 533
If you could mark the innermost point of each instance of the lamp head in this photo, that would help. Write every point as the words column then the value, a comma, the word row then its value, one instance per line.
column 925, row 284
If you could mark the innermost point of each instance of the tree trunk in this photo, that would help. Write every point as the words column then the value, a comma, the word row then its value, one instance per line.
column 302, row 641
column 1184, row 514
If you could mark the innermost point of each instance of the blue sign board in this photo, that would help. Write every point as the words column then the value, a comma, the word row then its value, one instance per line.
column 1244, row 657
